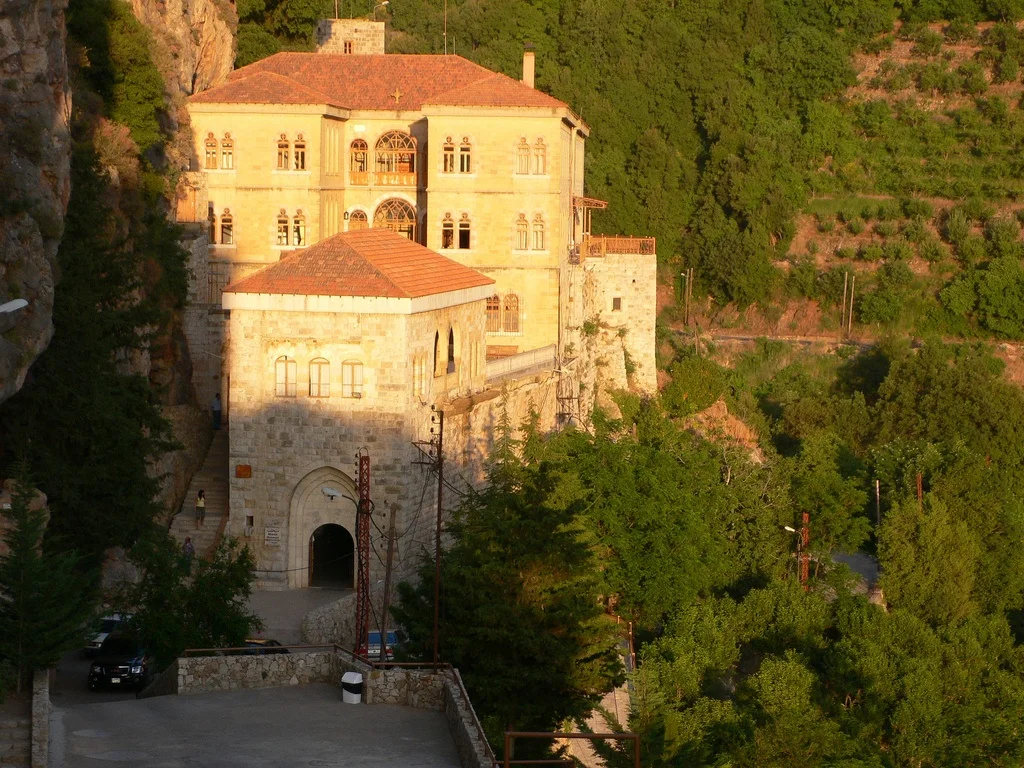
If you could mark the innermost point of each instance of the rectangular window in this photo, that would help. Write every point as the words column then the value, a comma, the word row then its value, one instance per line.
column 282, row 231
column 300, row 156
column 464, row 235
column 227, row 230
column 319, row 379
column 352, row 379
column 348, row 46
column 465, row 160
column 448, row 159
column 227, row 156
column 211, row 154
column 217, row 278
column 617, row 304
column 282, row 156
column 285, row 374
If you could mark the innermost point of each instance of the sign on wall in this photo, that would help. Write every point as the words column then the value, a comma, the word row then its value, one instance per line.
column 272, row 535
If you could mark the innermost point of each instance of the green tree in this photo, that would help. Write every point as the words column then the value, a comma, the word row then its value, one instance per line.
column 46, row 604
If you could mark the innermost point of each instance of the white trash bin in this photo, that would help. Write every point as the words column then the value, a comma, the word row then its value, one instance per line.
column 352, row 688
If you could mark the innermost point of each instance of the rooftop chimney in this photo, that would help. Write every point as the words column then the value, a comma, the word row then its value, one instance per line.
column 529, row 62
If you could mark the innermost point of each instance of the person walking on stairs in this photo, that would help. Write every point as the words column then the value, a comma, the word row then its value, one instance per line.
column 200, row 509
column 216, row 408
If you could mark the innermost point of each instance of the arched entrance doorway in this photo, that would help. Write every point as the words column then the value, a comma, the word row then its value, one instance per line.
column 331, row 557
column 324, row 497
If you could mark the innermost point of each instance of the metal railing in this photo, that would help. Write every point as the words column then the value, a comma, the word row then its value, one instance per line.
column 503, row 367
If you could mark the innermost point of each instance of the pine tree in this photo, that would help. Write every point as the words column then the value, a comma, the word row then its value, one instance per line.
column 46, row 604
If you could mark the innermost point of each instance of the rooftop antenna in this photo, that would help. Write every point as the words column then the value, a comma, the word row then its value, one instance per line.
column 445, row 27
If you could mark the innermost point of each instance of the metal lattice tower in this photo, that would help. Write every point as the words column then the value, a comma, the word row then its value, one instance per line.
column 363, row 550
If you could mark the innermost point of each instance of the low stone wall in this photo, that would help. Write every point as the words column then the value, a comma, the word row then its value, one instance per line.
column 474, row 752
column 418, row 688
column 40, row 718
column 331, row 624
column 203, row 674
column 165, row 684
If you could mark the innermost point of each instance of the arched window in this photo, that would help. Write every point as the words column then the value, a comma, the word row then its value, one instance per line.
column 510, row 316
column 398, row 216
column 540, row 157
column 451, row 351
column 465, row 156
column 357, row 220
column 538, row 232
column 227, row 228
column 522, row 233
column 282, row 153
column 284, row 375
column 299, row 151
column 447, row 232
column 396, row 158
column 493, row 314
column 464, row 232
column 357, row 161
column 227, row 152
column 282, row 228
column 352, row 379
column 299, row 229
column 319, row 378
column 212, row 223
column 211, row 152
column 448, row 156
column 437, row 354
column 523, row 157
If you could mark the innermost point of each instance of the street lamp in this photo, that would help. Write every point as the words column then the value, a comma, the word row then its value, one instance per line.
column 381, row 4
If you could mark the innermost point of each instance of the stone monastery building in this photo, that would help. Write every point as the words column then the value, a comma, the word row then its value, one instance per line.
column 376, row 235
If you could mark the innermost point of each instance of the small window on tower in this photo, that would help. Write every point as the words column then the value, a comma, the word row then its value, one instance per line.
column 348, row 46
column 617, row 304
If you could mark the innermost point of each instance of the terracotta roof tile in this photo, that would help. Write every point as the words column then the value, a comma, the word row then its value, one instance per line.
column 370, row 82
column 369, row 262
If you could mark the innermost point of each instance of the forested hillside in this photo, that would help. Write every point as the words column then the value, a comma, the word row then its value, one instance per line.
column 773, row 145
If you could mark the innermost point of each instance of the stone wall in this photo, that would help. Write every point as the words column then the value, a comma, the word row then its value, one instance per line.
column 40, row 718
column 334, row 623
column 203, row 674
column 363, row 37
column 192, row 428
column 419, row 688
column 474, row 751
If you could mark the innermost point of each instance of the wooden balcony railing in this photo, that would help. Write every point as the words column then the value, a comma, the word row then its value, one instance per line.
column 597, row 246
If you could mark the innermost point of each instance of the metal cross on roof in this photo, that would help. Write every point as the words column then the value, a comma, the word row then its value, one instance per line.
column 396, row 96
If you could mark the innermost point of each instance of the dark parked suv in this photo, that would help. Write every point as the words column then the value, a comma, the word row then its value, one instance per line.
column 121, row 661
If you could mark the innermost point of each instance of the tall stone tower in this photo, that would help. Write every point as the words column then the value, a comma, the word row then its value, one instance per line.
column 358, row 36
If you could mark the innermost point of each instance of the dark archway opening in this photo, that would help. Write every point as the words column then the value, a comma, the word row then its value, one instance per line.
column 331, row 557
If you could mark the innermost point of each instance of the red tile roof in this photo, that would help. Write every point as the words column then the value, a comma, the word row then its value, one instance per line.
column 368, row 262
column 370, row 82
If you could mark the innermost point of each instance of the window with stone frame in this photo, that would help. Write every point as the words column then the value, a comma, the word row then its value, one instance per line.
column 447, row 232
column 538, row 232
column 510, row 314
column 398, row 216
column 211, row 219
column 283, row 237
column 465, row 240
column 227, row 228
column 285, row 371
column 493, row 314
column 465, row 156
column 227, row 153
column 522, row 233
column 283, row 153
column 357, row 158
column 299, row 153
column 395, row 153
column 522, row 157
column 540, row 158
column 319, row 378
column 357, row 220
column 352, row 379
column 210, row 162
column 448, row 156
column 299, row 230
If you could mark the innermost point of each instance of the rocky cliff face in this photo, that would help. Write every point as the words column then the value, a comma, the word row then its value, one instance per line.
column 35, row 147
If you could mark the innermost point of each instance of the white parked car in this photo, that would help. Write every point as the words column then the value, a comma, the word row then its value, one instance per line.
column 106, row 625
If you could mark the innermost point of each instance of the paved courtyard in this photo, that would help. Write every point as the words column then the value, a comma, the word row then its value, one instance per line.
column 274, row 727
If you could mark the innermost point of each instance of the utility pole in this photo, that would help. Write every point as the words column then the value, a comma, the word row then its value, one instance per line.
column 387, row 586
column 438, row 420
column 804, row 554
column 363, row 548
column 846, row 287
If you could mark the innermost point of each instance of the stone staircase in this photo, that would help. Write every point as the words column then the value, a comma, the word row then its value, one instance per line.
column 15, row 741
column 212, row 478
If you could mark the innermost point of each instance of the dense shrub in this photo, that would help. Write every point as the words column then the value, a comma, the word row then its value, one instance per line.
column 871, row 252
column 898, row 249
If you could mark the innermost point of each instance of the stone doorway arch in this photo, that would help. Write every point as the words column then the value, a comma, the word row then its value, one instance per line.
column 331, row 557
column 325, row 496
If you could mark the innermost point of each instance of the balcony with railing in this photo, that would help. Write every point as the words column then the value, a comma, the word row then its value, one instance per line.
column 599, row 246
column 522, row 364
